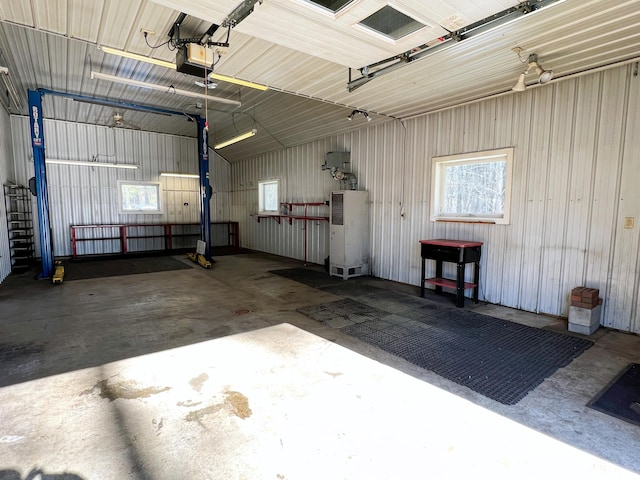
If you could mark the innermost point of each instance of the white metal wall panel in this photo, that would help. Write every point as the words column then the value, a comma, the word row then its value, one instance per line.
column 301, row 180
column 609, row 139
column 614, row 200
column 623, row 310
column 575, row 169
column 80, row 195
column 220, row 180
column 6, row 175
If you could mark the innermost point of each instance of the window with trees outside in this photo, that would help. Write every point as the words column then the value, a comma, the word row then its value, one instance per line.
column 139, row 197
column 268, row 192
column 472, row 187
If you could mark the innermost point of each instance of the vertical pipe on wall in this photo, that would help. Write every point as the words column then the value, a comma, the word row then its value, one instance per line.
column 205, row 187
column 42, row 194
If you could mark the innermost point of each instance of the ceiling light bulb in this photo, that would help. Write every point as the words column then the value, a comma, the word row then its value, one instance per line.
column 545, row 76
column 520, row 86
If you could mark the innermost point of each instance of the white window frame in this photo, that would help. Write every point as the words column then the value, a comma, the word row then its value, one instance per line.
column 261, row 202
column 140, row 211
column 438, row 166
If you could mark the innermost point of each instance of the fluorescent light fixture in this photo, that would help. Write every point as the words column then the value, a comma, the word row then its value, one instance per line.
column 90, row 164
column 161, row 88
column 135, row 56
column 164, row 63
column 11, row 88
column 237, row 81
column 250, row 133
column 181, row 175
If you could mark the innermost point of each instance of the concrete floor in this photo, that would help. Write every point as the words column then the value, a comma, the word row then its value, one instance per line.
column 67, row 336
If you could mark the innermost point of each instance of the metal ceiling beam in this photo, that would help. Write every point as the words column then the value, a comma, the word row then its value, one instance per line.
column 464, row 33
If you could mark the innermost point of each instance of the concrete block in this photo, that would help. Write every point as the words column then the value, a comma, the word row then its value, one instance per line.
column 584, row 330
column 587, row 317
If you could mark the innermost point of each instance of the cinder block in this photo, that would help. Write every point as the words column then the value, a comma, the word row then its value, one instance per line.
column 575, row 328
column 586, row 317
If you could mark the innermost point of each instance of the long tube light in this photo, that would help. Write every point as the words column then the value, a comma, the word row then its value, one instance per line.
column 162, row 88
column 164, row 63
column 237, row 81
column 240, row 137
column 11, row 88
column 181, row 175
column 84, row 163
column 140, row 58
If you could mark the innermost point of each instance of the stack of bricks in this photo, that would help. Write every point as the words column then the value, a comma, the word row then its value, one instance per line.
column 584, row 312
column 584, row 297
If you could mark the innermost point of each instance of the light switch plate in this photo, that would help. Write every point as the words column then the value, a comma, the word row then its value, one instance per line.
column 628, row 222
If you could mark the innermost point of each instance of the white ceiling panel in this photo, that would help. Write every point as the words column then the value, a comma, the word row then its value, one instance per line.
column 50, row 15
column 85, row 19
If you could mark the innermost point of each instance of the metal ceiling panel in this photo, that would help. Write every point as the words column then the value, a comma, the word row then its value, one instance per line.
column 84, row 19
column 51, row 15
column 53, row 44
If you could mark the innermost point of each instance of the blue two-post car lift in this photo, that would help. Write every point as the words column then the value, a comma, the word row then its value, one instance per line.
column 42, row 194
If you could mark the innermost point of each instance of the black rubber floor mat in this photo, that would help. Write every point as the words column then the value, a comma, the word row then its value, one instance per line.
column 120, row 266
column 499, row 359
column 353, row 289
column 621, row 397
column 308, row 276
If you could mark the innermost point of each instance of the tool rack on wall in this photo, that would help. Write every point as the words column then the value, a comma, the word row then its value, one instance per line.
column 290, row 216
column 19, row 226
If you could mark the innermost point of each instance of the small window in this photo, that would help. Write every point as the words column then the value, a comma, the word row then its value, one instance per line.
column 390, row 22
column 268, row 191
column 332, row 5
column 472, row 187
column 139, row 197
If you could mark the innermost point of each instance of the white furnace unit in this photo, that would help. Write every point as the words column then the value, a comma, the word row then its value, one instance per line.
column 349, row 234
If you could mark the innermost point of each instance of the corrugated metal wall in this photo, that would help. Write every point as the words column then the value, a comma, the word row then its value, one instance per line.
column 576, row 165
column 6, row 175
column 80, row 195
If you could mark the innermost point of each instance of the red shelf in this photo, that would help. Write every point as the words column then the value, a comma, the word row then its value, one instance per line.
column 289, row 218
column 448, row 283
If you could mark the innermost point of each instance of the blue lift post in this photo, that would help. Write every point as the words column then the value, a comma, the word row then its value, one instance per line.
column 205, row 186
column 42, row 193
column 37, row 143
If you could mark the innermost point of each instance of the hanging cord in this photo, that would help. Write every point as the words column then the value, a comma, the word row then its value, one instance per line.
column 156, row 46
column 206, row 101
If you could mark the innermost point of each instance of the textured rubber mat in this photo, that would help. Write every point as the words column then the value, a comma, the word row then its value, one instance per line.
column 499, row 359
column 308, row 276
column 120, row 266
column 621, row 397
